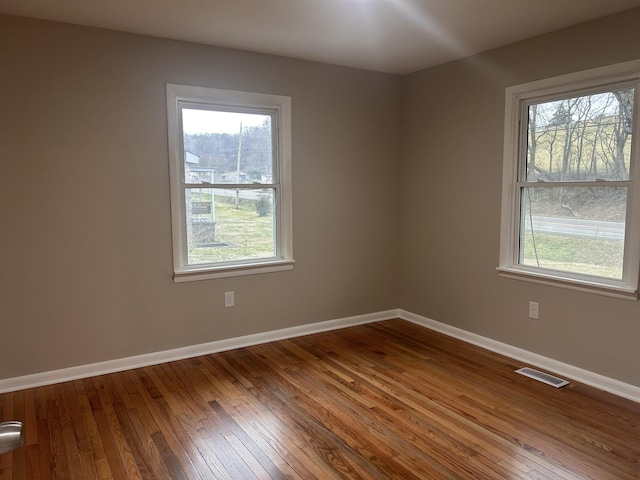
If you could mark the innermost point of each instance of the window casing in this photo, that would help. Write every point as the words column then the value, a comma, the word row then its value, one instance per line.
column 230, row 182
column 570, row 200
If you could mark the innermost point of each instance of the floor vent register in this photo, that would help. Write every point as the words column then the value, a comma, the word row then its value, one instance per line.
column 542, row 377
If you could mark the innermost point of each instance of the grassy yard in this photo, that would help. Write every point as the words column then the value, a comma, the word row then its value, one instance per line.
column 580, row 255
column 239, row 234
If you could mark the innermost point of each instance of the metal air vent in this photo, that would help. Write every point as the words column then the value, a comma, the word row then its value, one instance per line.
column 542, row 377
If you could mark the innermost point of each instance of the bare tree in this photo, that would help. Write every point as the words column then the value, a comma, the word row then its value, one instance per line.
column 622, row 130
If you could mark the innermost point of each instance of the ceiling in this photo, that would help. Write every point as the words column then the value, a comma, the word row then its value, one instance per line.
column 394, row 36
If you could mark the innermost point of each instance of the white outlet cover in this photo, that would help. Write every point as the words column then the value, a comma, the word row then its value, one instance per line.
column 229, row 299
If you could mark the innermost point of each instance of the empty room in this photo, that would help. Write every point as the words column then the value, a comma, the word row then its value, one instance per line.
column 361, row 239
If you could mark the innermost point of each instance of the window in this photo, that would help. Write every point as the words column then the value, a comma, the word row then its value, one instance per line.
column 570, row 203
column 230, row 179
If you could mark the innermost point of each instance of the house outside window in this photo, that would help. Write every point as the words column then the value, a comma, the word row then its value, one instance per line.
column 230, row 181
column 571, row 204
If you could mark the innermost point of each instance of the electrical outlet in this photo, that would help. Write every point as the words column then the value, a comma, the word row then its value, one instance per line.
column 533, row 310
column 229, row 299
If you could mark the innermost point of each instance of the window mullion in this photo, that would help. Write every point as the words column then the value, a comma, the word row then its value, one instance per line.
column 231, row 186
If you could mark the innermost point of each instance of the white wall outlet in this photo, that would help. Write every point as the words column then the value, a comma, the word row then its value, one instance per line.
column 229, row 299
column 533, row 310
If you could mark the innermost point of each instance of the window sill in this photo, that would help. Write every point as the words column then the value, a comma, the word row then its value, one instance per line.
column 616, row 291
column 195, row 274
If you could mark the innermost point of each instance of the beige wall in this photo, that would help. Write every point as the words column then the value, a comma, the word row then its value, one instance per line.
column 451, row 176
column 86, row 244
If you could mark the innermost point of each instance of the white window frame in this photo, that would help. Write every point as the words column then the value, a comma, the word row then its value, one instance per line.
column 249, row 102
column 516, row 98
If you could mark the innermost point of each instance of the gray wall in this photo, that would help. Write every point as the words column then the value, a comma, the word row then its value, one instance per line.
column 451, row 173
column 86, row 233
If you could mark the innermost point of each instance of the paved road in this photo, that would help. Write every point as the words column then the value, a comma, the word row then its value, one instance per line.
column 577, row 227
column 248, row 194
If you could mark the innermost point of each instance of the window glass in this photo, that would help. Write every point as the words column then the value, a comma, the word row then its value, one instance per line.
column 579, row 229
column 581, row 138
column 236, row 146
column 572, row 140
column 228, row 225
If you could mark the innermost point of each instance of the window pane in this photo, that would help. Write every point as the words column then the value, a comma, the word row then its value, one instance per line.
column 580, row 138
column 227, row 147
column 578, row 230
column 227, row 225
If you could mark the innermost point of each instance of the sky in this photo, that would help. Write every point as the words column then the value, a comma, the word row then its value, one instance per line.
column 211, row 121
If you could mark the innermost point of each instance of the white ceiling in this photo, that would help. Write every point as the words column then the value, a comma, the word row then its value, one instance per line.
column 395, row 36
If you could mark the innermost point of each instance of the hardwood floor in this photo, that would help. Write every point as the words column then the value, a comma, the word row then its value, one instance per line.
column 385, row 400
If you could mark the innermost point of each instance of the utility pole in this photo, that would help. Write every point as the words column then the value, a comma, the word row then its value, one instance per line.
column 238, row 167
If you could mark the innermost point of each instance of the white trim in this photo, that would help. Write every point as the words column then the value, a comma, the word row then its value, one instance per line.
column 616, row 387
column 234, row 271
column 590, row 78
column 137, row 361
column 565, row 282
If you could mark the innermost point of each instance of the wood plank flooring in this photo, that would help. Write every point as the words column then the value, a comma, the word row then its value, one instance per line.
column 385, row 400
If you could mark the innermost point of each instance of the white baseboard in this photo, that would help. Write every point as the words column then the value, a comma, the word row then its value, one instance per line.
column 128, row 363
column 596, row 380
column 610, row 385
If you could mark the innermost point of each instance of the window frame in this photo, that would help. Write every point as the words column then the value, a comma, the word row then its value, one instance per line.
column 517, row 100
column 279, row 107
